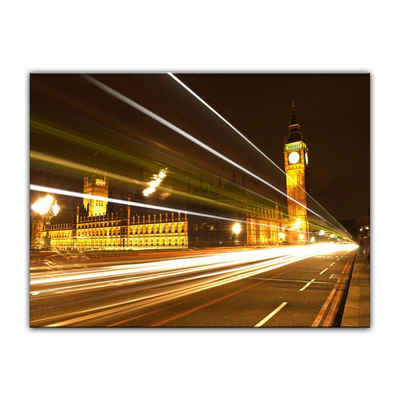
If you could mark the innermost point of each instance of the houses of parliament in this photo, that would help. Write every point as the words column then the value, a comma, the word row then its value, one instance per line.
column 96, row 227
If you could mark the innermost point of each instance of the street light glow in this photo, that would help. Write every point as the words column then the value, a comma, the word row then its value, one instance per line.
column 236, row 228
column 55, row 209
column 297, row 225
column 42, row 205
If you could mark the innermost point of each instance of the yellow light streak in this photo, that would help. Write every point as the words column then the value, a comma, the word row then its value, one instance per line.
column 155, row 182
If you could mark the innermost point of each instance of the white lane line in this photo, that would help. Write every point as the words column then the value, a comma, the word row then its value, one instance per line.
column 323, row 271
column 306, row 285
column 270, row 315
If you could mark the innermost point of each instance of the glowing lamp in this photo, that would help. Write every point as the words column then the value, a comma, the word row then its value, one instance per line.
column 42, row 205
column 236, row 228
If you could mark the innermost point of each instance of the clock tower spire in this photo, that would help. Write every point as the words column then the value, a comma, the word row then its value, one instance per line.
column 296, row 166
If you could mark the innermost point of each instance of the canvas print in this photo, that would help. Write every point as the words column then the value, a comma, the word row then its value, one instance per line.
column 199, row 200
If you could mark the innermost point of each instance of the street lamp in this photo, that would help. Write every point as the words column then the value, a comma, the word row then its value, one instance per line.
column 236, row 228
column 297, row 225
column 46, row 207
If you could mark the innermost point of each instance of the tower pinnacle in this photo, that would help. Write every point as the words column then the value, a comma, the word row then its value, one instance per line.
column 293, row 119
column 295, row 134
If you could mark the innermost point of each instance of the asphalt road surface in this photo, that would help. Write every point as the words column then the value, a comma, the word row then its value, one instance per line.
column 299, row 286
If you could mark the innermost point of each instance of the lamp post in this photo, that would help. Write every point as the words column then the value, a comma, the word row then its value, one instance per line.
column 236, row 230
column 45, row 208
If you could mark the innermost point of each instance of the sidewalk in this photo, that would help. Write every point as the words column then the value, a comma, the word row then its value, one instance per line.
column 356, row 312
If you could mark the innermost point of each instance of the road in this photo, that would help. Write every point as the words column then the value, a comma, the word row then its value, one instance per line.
column 293, row 286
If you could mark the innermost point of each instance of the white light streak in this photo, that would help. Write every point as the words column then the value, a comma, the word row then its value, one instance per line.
column 223, row 119
column 48, row 189
column 187, row 88
column 192, row 275
column 186, row 135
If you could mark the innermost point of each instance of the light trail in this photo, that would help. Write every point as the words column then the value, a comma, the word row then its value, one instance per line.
column 159, row 266
column 194, row 94
column 48, row 189
column 155, row 182
column 141, row 302
column 186, row 135
column 162, row 281
column 96, row 171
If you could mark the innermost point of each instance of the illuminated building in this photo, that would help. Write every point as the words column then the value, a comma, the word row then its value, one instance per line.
column 264, row 227
column 97, row 228
column 95, row 186
column 297, row 183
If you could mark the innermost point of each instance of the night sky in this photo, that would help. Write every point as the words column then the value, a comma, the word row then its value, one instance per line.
column 333, row 110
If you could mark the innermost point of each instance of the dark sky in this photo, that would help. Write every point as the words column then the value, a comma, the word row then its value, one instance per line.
column 333, row 111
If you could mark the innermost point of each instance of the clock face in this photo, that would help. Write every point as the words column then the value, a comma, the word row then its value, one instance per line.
column 294, row 157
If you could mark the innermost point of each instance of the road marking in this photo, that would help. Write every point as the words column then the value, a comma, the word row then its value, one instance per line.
column 306, row 285
column 270, row 315
column 323, row 271
column 335, row 303
column 325, row 306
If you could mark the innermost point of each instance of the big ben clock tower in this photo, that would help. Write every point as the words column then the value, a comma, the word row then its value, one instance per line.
column 297, row 183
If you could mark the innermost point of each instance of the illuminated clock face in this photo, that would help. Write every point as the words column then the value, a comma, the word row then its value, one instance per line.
column 294, row 157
